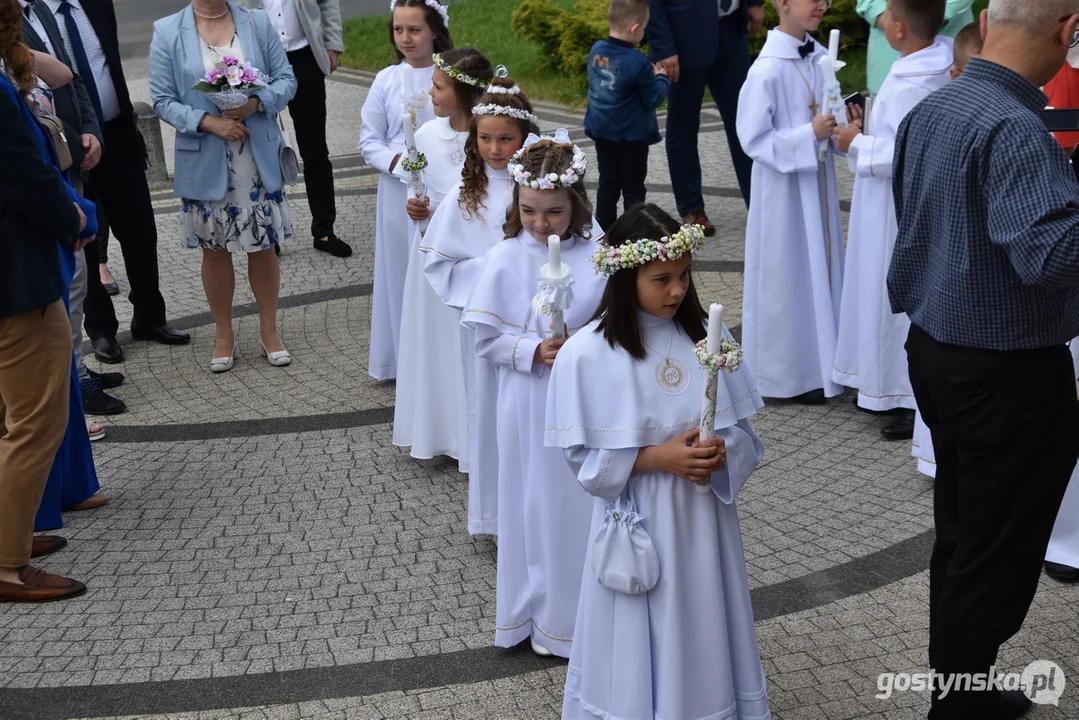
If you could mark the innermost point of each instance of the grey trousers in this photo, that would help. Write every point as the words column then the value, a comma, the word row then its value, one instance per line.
column 76, row 298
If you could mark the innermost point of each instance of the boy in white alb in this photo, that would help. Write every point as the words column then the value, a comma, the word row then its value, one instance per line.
column 794, row 241
column 870, row 356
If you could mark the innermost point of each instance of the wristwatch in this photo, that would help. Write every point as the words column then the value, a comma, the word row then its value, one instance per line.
column 259, row 107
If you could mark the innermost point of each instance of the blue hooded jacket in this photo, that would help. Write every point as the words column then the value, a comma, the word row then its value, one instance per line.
column 623, row 93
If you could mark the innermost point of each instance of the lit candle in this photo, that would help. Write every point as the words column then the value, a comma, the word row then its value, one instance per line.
column 833, row 46
column 554, row 254
column 715, row 327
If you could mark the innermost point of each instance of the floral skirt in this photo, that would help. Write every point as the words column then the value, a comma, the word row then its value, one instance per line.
column 249, row 219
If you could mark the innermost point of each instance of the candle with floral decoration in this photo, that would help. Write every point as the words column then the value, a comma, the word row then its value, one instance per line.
column 714, row 353
column 415, row 161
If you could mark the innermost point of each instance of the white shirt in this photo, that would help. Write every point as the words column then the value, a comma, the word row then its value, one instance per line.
column 734, row 6
column 95, row 53
column 286, row 21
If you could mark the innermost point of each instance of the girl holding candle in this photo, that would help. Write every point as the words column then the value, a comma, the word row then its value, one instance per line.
column 625, row 405
column 468, row 224
column 396, row 104
column 431, row 413
column 542, row 518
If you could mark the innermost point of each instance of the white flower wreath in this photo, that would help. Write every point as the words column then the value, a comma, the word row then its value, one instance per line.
column 551, row 181
column 430, row 3
column 609, row 260
column 492, row 109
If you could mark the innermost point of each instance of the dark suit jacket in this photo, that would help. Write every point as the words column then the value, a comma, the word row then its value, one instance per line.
column 691, row 30
column 36, row 212
column 102, row 16
column 73, row 104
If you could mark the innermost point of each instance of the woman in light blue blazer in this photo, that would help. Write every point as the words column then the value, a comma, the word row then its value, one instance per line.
column 228, row 174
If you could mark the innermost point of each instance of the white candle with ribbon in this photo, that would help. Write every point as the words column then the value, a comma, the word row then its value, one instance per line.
column 554, row 265
column 408, row 93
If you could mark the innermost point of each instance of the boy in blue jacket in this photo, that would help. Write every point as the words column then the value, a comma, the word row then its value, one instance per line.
column 624, row 90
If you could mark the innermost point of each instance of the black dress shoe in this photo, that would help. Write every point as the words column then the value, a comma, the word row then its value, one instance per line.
column 108, row 380
column 107, row 350
column 112, row 288
column 96, row 401
column 902, row 428
column 334, row 246
column 1014, row 704
column 813, row 397
column 163, row 334
column 1062, row 573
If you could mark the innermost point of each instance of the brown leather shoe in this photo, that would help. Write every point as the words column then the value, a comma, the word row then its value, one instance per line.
column 94, row 501
column 47, row 545
column 39, row 586
column 697, row 217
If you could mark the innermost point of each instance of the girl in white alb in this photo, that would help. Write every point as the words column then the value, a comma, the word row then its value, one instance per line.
column 542, row 517
column 431, row 412
column 468, row 224
column 418, row 30
column 624, row 404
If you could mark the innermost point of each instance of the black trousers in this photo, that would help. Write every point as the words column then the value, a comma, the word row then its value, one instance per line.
column 724, row 78
column 119, row 185
column 1005, row 429
column 308, row 111
column 623, row 166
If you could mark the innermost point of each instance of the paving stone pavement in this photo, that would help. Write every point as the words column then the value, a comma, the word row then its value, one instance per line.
column 269, row 554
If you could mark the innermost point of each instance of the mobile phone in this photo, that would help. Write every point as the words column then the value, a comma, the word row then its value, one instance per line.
column 856, row 98
column 1061, row 119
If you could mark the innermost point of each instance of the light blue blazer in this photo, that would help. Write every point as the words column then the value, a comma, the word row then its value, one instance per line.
column 175, row 67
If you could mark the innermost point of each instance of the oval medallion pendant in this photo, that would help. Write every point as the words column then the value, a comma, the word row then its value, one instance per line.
column 672, row 376
column 458, row 157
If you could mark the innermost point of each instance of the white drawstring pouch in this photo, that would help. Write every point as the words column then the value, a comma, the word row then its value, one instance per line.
column 623, row 556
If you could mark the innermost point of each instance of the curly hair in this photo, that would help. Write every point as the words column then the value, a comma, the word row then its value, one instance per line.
column 474, row 64
column 17, row 59
column 443, row 41
column 474, row 173
column 543, row 158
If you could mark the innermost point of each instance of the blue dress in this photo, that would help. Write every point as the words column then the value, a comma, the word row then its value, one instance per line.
column 73, row 477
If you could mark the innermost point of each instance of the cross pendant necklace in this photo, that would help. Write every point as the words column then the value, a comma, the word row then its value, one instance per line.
column 814, row 105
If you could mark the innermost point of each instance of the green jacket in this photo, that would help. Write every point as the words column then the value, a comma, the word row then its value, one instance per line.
column 957, row 15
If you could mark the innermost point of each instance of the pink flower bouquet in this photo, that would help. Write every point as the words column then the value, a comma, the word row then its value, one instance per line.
column 229, row 84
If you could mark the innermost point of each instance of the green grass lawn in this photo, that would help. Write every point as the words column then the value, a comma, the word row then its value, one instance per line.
column 482, row 24
column 485, row 25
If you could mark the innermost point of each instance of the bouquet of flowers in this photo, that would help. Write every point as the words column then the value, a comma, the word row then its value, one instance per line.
column 229, row 84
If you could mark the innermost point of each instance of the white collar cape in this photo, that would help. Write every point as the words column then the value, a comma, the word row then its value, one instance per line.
column 600, row 397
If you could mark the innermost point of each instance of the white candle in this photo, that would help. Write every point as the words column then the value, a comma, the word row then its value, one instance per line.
column 833, row 46
column 554, row 253
column 410, row 87
column 715, row 327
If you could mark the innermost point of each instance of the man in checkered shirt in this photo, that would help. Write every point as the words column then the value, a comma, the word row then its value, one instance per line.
column 986, row 265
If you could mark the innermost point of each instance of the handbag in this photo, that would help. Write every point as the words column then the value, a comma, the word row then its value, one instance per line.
column 286, row 150
column 55, row 128
column 623, row 556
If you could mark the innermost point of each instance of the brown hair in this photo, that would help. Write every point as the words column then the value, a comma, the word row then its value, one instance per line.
column 968, row 41
column 617, row 312
column 623, row 13
column 474, row 173
column 443, row 41
column 541, row 159
column 16, row 57
column 925, row 18
column 474, row 64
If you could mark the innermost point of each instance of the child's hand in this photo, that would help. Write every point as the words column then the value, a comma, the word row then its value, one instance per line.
column 659, row 70
column 845, row 136
column 855, row 113
column 823, row 126
column 686, row 457
column 548, row 350
column 418, row 210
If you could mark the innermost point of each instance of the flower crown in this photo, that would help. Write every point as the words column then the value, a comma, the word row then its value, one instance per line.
column 492, row 109
column 457, row 75
column 552, row 181
column 633, row 253
column 432, row 4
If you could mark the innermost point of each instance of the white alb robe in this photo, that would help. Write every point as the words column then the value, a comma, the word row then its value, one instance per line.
column 454, row 250
column 382, row 138
column 431, row 412
column 870, row 356
column 543, row 517
column 1064, row 542
column 794, row 238
column 687, row 649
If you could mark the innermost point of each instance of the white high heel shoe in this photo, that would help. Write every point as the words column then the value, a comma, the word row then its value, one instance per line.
column 539, row 649
column 223, row 364
column 280, row 358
